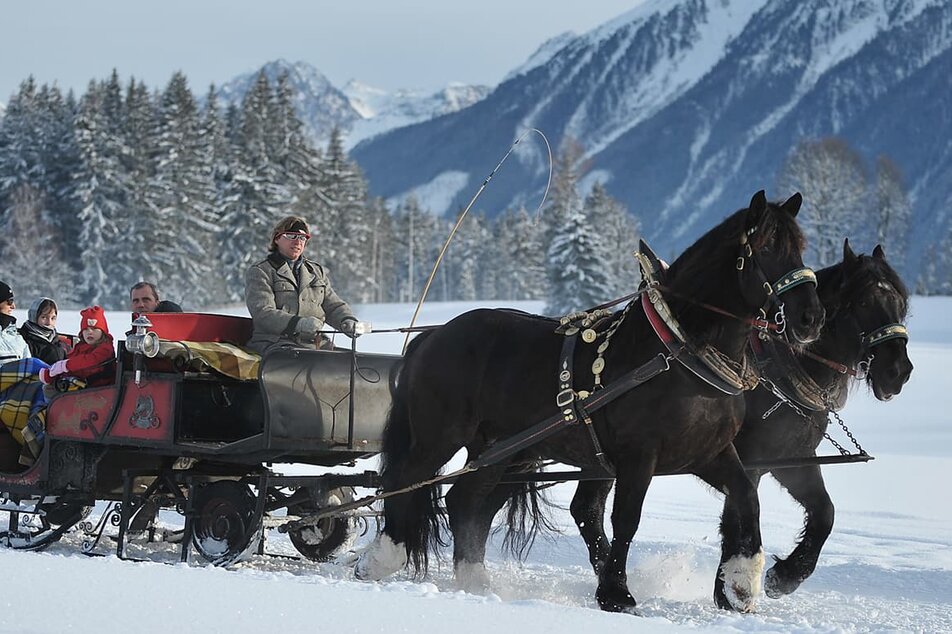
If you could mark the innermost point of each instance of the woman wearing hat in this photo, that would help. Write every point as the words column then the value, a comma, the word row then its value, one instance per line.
column 12, row 345
column 289, row 296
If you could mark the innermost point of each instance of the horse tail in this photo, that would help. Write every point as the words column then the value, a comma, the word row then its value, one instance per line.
column 422, row 527
column 527, row 515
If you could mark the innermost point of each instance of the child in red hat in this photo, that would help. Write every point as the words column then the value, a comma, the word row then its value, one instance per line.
column 94, row 358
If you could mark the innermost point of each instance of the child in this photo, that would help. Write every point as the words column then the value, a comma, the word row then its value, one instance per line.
column 40, row 334
column 93, row 359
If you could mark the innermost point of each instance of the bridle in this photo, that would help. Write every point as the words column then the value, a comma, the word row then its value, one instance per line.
column 772, row 292
column 878, row 336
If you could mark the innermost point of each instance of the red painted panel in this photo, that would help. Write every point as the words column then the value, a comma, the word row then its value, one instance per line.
column 146, row 412
column 201, row 327
column 80, row 415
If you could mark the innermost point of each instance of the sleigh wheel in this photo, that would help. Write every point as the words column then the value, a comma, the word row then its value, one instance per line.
column 331, row 535
column 226, row 523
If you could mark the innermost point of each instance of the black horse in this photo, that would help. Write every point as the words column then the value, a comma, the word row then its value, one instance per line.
column 865, row 303
column 487, row 375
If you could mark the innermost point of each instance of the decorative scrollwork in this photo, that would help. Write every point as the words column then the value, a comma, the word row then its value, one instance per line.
column 112, row 515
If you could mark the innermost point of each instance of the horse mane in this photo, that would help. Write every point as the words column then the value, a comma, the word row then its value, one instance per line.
column 836, row 292
column 703, row 270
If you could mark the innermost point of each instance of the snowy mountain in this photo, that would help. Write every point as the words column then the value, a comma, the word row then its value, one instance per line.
column 319, row 103
column 686, row 107
column 361, row 111
column 382, row 110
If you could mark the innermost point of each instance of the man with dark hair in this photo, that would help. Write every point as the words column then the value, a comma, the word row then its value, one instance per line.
column 144, row 298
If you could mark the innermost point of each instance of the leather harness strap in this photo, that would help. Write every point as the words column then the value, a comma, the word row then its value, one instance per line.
column 540, row 431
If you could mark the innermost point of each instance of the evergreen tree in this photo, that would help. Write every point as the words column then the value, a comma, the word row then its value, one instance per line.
column 577, row 277
column 520, row 265
column 575, row 266
column 382, row 266
column 101, row 189
column 619, row 231
column 220, row 159
column 346, row 243
column 415, row 239
column 21, row 159
column 261, row 200
column 61, row 157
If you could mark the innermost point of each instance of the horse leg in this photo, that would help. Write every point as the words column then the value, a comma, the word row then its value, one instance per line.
column 631, row 486
column 471, row 504
column 588, row 510
column 410, row 519
column 806, row 486
column 738, row 582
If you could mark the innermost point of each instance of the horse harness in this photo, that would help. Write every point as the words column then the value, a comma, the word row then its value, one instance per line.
column 791, row 383
column 707, row 363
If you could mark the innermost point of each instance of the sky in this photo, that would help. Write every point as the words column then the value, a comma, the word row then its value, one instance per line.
column 421, row 44
column 887, row 566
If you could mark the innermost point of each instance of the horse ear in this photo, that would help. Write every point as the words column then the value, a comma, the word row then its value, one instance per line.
column 759, row 202
column 792, row 204
column 848, row 256
column 879, row 253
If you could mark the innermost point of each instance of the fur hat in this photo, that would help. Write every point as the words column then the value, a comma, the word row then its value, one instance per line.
column 5, row 292
column 93, row 317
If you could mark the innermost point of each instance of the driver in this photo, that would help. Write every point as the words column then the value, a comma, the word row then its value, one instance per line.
column 290, row 297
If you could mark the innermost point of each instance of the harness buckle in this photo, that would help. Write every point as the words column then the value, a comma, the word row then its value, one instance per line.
column 565, row 397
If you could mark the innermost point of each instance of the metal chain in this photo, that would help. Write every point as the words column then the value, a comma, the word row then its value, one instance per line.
column 796, row 408
column 846, row 429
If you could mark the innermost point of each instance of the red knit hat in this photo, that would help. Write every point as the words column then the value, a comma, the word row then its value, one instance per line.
column 93, row 317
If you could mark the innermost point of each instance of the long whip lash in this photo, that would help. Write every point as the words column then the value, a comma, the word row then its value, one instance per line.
column 439, row 258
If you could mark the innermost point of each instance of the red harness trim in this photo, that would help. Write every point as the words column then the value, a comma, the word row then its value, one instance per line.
column 657, row 324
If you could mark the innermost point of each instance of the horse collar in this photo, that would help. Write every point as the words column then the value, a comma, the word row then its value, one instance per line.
column 787, row 376
column 707, row 364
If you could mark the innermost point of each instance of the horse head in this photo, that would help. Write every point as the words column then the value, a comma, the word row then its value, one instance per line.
column 770, row 267
column 869, row 307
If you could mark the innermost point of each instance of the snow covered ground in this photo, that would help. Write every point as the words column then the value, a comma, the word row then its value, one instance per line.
column 887, row 566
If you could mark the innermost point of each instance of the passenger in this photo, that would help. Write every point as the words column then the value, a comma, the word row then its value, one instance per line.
column 143, row 298
column 290, row 297
column 39, row 332
column 12, row 345
column 93, row 359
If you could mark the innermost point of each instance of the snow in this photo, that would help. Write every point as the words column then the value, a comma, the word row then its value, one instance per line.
column 886, row 567
column 436, row 195
column 383, row 110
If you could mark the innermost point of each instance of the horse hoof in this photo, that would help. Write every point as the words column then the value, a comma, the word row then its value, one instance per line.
column 741, row 583
column 624, row 605
column 382, row 558
column 778, row 585
column 472, row 578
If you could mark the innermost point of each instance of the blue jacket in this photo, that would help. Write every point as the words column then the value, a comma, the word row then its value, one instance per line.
column 12, row 345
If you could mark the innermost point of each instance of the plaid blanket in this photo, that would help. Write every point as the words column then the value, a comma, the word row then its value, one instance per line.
column 21, row 396
column 225, row 358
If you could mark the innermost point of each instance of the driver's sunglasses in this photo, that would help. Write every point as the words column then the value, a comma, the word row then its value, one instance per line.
column 291, row 237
